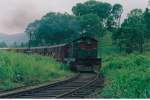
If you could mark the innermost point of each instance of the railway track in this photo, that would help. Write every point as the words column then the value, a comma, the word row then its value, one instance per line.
column 79, row 87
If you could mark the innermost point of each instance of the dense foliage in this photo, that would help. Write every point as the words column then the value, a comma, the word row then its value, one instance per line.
column 106, row 46
column 90, row 25
column 147, row 21
column 109, row 15
column 21, row 69
column 53, row 28
column 103, row 10
column 127, row 76
column 133, row 33
column 91, row 18
column 3, row 45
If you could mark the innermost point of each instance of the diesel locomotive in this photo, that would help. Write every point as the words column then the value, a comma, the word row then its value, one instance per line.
column 80, row 54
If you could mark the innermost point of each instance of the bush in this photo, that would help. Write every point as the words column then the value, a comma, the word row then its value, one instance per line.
column 127, row 76
column 21, row 69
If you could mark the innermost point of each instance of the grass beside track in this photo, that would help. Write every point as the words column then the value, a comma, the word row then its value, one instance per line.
column 127, row 76
column 21, row 70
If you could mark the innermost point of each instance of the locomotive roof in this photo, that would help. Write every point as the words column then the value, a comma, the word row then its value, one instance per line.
column 85, row 37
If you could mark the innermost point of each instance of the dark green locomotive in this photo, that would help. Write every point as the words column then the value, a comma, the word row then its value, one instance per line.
column 82, row 54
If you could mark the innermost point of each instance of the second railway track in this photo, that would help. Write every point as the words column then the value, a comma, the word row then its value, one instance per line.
column 79, row 87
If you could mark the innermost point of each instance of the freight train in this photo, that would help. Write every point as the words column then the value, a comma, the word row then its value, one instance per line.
column 80, row 54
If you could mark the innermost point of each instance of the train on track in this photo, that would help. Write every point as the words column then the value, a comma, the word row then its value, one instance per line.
column 80, row 54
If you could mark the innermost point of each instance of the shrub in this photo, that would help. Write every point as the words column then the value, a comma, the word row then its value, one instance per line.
column 127, row 76
column 21, row 69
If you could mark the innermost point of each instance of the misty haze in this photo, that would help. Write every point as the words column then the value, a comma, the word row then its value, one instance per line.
column 17, row 14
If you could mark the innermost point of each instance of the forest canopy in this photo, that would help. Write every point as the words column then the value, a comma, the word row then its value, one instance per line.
column 91, row 18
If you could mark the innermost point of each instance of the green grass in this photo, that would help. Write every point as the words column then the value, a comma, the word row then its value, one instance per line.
column 127, row 76
column 21, row 69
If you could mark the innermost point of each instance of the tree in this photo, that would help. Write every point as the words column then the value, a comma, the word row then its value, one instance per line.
column 23, row 44
column 3, row 45
column 117, row 12
column 54, row 28
column 32, row 30
column 81, row 9
column 111, row 24
column 101, row 9
column 113, row 21
column 131, row 35
column 110, row 15
column 147, row 21
column 90, row 25
column 15, row 44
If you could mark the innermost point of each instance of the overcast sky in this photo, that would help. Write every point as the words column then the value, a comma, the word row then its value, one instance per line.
column 16, row 14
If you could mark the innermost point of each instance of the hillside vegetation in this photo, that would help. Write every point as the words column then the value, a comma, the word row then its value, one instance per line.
column 106, row 46
column 127, row 76
column 21, row 69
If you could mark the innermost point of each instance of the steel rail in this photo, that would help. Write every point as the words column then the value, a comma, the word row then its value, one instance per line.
column 63, row 89
column 76, row 89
